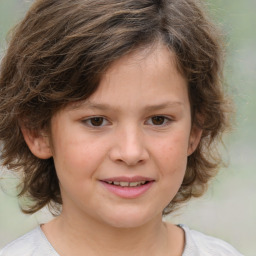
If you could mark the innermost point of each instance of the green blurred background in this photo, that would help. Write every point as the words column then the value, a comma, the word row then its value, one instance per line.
column 228, row 210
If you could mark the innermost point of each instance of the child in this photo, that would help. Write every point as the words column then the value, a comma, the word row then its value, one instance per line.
column 111, row 110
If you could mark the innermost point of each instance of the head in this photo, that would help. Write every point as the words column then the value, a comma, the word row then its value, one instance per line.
column 58, row 56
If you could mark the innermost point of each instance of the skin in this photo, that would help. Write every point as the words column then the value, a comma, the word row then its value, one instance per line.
column 143, row 129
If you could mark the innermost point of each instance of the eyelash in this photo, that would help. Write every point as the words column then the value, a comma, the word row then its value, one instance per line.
column 89, row 120
column 166, row 121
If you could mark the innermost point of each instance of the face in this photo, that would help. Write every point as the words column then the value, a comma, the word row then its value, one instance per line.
column 121, row 155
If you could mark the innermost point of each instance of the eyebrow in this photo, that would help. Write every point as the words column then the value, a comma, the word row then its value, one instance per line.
column 89, row 104
column 169, row 104
column 100, row 106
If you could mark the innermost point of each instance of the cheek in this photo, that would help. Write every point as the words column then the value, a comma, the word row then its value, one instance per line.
column 75, row 167
column 77, row 160
column 173, row 164
column 171, row 159
column 173, row 151
column 172, row 167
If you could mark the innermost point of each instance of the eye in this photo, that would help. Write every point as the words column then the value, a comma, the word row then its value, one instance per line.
column 96, row 121
column 158, row 120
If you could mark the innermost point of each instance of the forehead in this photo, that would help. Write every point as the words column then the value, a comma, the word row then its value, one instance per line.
column 149, row 71
column 157, row 57
column 145, row 70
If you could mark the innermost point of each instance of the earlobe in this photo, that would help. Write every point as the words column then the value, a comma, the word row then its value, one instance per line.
column 194, row 139
column 38, row 143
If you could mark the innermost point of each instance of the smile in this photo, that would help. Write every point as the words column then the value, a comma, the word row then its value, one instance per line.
column 127, row 184
column 128, row 187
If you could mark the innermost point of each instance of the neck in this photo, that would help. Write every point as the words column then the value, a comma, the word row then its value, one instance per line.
column 76, row 237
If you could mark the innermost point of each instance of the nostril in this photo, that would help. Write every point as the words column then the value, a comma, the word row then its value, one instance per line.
column 129, row 152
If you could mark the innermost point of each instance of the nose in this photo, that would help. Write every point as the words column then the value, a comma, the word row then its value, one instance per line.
column 129, row 147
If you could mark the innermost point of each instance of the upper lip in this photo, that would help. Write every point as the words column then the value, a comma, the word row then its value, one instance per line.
column 128, row 179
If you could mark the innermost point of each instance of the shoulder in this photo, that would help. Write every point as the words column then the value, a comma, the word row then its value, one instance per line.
column 33, row 243
column 199, row 244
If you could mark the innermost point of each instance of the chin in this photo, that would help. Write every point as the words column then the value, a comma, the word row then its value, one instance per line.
column 130, row 219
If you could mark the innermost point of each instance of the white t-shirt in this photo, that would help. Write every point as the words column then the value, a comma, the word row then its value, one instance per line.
column 35, row 243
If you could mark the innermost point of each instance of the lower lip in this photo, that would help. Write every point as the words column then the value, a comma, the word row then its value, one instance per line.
column 128, row 192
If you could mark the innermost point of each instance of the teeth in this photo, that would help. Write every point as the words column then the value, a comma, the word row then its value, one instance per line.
column 134, row 184
column 126, row 184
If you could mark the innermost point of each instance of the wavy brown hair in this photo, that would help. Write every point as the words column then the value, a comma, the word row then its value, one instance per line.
column 60, row 50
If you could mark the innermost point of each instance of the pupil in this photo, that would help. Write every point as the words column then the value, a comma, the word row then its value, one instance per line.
column 158, row 120
column 97, row 121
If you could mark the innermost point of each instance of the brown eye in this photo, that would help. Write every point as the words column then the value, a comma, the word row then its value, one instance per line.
column 96, row 121
column 158, row 120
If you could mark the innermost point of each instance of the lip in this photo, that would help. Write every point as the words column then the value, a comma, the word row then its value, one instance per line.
column 128, row 179
column 128, row 192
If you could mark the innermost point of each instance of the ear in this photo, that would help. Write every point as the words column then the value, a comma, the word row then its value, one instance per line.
column 194, row 139
column 38, row 143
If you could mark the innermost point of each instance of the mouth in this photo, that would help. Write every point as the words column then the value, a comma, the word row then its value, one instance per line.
column 128, row 187
column 127, row 184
